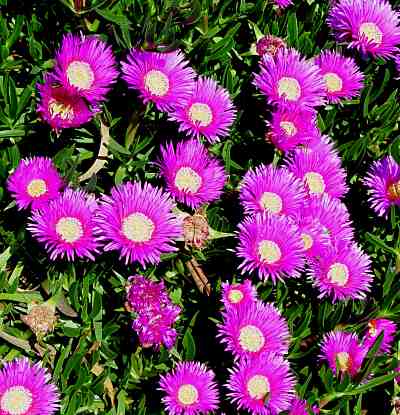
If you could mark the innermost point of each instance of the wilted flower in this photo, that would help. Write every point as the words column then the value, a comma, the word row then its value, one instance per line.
column 375, row 328
column 41, row 318
column 269, row 45
column 196, row 230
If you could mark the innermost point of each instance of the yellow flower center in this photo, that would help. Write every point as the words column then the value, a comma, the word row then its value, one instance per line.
column 343, row 359
column 271, row 202
column 394, row 191
column 338, row 274
column 64, row 111
column 315, row 182
column 269, row 252
column 307, row 241
column 80, row 74
column 333, row 82
column 16, row 400
column 201, row 114
column 187, row 180
column 137, row 227
column 372, row 328
column 289, row 88
column 188, row 394
column 289, row 128
column 235, row 296
column 69, row 229
column 372, row 32
column 156, row 82
column 258, row 387
column 36, row 188
column 251, row 338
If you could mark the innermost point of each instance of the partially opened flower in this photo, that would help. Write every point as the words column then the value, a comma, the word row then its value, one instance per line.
column 262, row 386
column 137, row 220
column 271, row 189
column 163, row 78
column 343, row 79
column 66, row 226
column 371, row 26
column 190, row 389
column 26, row 389
column 298, row 407
column 235, row 296
column 291, row 79
column 383, row 182
column 283, row 3
column 342, row 272
column 253, row 330
column 86, row 65
column 208, row 112
column 270, row 245
column 193, row 177
column 342, row 350
column 375, row 328
column 34, row 183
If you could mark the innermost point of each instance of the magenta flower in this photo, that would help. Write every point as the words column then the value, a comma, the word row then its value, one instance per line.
column 291, row 126
column 66, row 226
column 208, row 112
column 342, row 272
column 298, row 407
column 137, row 220
column 291, row 79
column 283, row 3
column 34, row 183
column 342, row 350
column 273, row 190
column 235, row 296
column 319, row 173
column 190, row 389
column 272, row 245
column 375, row 328
column 25, row 389
column 262, row 386
column 323, row 144
column 86, row 65
column 371, row 26
column 253, row 330
column 163, row 78
column 193, row 177
column 383, row 182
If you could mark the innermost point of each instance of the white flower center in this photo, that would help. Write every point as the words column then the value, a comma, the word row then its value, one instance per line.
column 269, row 251
column 36, row 188
column 80, row 74
column 188, row 394
column 251, row 338
column 137, row 227
column 258, row 387
column 315, row 182
column 69, row 229
column 289, row 88
column 289, row 128
column 307, row 241
column 343, row 359
column 271, row 202
column 338, row 274
column 372, row 32
column 187, row 180
column 156, row 82
column 333, row 82
column 64, row 111
column 235, row 296
column 200, row 113
column 16, row 400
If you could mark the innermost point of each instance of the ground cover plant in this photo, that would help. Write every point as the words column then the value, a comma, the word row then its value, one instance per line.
column 199, row 207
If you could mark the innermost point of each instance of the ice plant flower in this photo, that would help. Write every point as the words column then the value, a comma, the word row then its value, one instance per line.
column 342, row 272
column 166, row 79
column 85, row 65
column 342, row 350
column 375, row 328
column 208, row 112
column 66, row 226
column 269, row 45
column 272, row 245
column 262, row 386
column 62, row 108
column 371, row 26
column 193, row 177
column 26, row 389
column 291, row 79
column 298, row 407
column 137, row 220
column 343, row 79
column 34, row 183
column 383, row 182
column 253, row 330
column 235, row 296
column 319, row 173
column 190, row 389
column 283, row 3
